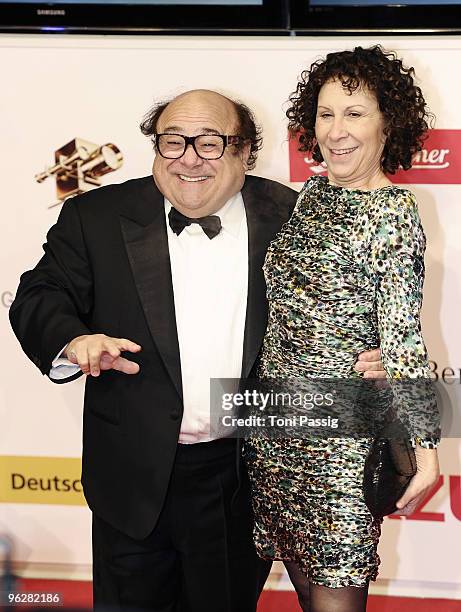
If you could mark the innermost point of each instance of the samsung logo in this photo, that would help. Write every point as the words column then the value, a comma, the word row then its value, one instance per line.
column 51, row 12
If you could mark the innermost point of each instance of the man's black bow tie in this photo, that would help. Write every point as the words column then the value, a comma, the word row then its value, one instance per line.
column 211, row 225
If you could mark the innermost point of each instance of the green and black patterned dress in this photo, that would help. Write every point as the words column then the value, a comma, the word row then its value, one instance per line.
column 345, row 274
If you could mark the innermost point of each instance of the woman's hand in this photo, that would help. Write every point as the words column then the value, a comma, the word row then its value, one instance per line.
column 427, row 474
column 369, row 363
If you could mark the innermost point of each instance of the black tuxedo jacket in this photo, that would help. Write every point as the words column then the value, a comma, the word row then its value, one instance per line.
column 106, row 269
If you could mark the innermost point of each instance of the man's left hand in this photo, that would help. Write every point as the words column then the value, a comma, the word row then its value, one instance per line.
column 369, row 362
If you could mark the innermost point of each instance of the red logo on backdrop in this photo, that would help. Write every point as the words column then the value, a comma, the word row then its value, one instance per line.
column 438, row 162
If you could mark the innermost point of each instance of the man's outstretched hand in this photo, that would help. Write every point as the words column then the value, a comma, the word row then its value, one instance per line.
column 94, row 353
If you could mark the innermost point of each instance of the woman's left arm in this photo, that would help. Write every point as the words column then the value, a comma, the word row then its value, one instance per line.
column 397, row 264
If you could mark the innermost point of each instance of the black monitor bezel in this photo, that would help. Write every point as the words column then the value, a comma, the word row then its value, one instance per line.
column 271, row 16
column 396, row 19
column 281, row 17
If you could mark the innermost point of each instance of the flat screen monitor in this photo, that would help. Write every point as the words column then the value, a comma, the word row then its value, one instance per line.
column 401, row 16
column 144, row 15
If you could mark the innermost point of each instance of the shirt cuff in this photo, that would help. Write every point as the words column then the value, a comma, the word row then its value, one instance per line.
column 62, row 368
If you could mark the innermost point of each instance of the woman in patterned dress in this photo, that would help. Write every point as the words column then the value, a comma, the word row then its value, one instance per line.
column 344, row 275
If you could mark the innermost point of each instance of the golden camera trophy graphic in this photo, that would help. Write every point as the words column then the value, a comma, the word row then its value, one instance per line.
column 79, row 166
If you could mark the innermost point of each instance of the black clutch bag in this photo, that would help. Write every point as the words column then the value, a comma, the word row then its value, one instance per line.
column 389, row 467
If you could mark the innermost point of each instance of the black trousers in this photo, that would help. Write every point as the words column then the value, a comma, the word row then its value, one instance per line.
column 200, row 557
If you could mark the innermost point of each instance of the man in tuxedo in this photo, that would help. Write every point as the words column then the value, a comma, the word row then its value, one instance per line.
column 151, row 288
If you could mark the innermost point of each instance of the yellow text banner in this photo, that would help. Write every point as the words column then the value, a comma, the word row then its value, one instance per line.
column 41, row 480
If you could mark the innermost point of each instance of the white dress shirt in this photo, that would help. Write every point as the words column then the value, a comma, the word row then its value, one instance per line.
column 210, row 286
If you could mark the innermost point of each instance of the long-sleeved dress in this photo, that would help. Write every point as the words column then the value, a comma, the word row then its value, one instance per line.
column 345, row 274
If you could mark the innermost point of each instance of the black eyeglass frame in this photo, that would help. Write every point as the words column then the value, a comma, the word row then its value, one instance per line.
column 190, row 140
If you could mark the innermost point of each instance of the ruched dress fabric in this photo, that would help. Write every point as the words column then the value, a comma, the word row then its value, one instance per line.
column 344, row 275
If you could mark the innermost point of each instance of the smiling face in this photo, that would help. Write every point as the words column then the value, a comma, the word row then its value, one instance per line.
column 349, row 129
column 194, row 186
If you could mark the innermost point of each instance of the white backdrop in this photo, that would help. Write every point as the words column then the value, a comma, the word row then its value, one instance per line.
column 56, row 88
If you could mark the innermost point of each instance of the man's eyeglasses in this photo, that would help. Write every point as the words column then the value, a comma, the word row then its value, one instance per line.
column 207, row 146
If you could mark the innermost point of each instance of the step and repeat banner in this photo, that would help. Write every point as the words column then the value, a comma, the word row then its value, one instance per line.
column 69, row 114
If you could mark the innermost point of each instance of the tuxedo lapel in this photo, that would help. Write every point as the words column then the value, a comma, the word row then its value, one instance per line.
column 144, row 230
column 264, row 220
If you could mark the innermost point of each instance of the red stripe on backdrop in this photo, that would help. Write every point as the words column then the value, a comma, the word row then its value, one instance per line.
column 77, row 594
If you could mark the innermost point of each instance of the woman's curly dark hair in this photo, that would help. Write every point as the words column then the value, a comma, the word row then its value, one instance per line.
column 247, row 128
column 401, row 102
